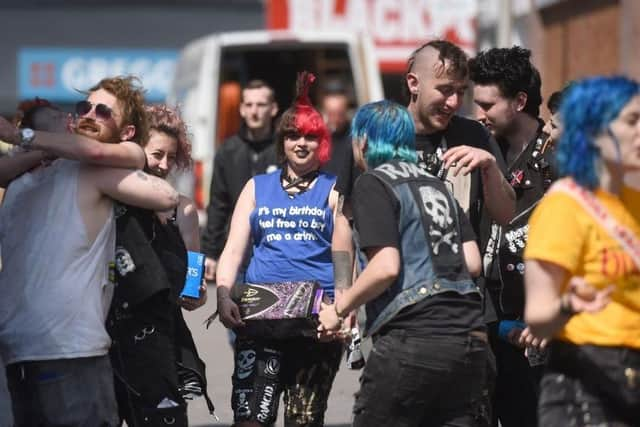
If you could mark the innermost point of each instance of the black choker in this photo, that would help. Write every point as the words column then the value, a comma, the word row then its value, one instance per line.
column 300, row 183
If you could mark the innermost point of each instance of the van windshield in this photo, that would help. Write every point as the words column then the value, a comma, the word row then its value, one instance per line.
column 278, row 65
column 185, row 85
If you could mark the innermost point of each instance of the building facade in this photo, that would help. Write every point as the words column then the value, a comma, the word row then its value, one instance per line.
column 37, row 36
column 570, row 39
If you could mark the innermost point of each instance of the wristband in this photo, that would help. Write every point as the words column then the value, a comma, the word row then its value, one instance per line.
column 340, row 318
column 221, row 294
column 565, row 305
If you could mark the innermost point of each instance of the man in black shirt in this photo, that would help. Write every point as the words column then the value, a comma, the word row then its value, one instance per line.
column 239, row 158
column 335, row 109
column 456, row 149
column 507, row 93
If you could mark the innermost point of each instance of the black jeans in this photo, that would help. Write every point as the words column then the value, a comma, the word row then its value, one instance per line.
column 422, row 381
column 517, row 384
column 590, row 386
column 63, row 392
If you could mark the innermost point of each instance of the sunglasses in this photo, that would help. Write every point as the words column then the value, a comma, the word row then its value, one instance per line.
column 102, row 111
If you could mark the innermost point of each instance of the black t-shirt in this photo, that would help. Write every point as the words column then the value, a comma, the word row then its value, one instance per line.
column 237, row 160
column 376, row 215
column 466, row 189
column 341, row 163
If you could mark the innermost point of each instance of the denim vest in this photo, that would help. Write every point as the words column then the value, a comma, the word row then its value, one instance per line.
column 432, row 258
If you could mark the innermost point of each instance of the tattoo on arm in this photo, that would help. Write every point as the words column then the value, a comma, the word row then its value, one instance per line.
column 342, row 269
column 159, row 185
column 340, row 207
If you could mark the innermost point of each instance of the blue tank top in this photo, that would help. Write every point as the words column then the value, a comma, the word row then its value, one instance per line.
column 291, row 234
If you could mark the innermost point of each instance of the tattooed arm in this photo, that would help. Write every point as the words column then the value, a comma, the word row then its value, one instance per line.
column 342, row 247
column 134, row 188
column 342, row 254
column 341, row 244
column 127, row 154
column 381, row 271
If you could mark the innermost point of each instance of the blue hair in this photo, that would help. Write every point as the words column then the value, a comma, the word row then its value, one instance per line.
column 389, row 130
column 586, row 110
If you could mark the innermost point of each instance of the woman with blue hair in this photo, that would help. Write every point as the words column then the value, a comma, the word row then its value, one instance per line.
column 583, row 261
column 423, row 310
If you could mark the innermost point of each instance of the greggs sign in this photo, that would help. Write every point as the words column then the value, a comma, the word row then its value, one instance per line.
column 396, row 26
column 60, row 74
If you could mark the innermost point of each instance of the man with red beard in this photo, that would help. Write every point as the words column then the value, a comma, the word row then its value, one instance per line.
column 57, row 232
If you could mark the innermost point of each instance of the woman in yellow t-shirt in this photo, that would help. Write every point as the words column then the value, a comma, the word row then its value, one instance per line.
column 582, row 261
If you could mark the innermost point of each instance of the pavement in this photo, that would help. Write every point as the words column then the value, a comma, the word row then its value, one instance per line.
column 214, row 349
column 213, row 346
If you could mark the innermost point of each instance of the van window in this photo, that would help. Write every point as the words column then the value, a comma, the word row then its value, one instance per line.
column 211, row 70
column 278, row 65
column 188, row 68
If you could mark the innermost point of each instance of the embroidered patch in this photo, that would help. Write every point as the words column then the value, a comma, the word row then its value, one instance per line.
column 124, row 261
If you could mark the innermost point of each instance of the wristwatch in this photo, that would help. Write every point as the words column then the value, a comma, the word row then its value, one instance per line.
column 27, row 135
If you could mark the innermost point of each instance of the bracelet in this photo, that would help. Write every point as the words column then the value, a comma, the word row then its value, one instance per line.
column 221, row 295
column 565, row 305
column 340, row 318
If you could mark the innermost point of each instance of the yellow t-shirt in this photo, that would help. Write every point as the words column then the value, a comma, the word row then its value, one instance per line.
column 563, row 233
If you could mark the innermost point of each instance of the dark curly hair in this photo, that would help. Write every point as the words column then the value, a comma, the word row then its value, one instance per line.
column 512, row 71
column 27, row 111
column 163, row 119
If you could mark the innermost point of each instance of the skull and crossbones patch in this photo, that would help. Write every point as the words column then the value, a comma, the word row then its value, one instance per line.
column 441, row 226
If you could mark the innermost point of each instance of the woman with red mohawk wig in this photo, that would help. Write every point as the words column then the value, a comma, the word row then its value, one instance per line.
column 289, row 216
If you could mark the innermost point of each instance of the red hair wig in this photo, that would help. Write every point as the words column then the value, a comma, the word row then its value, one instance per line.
column 303, row 119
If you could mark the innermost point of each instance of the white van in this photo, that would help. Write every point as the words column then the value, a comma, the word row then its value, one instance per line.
column 274, row 56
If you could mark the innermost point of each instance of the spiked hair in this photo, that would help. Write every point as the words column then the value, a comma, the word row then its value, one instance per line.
column 303, row 119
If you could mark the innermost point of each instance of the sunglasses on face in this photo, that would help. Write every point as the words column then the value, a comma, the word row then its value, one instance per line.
column 102, row 111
